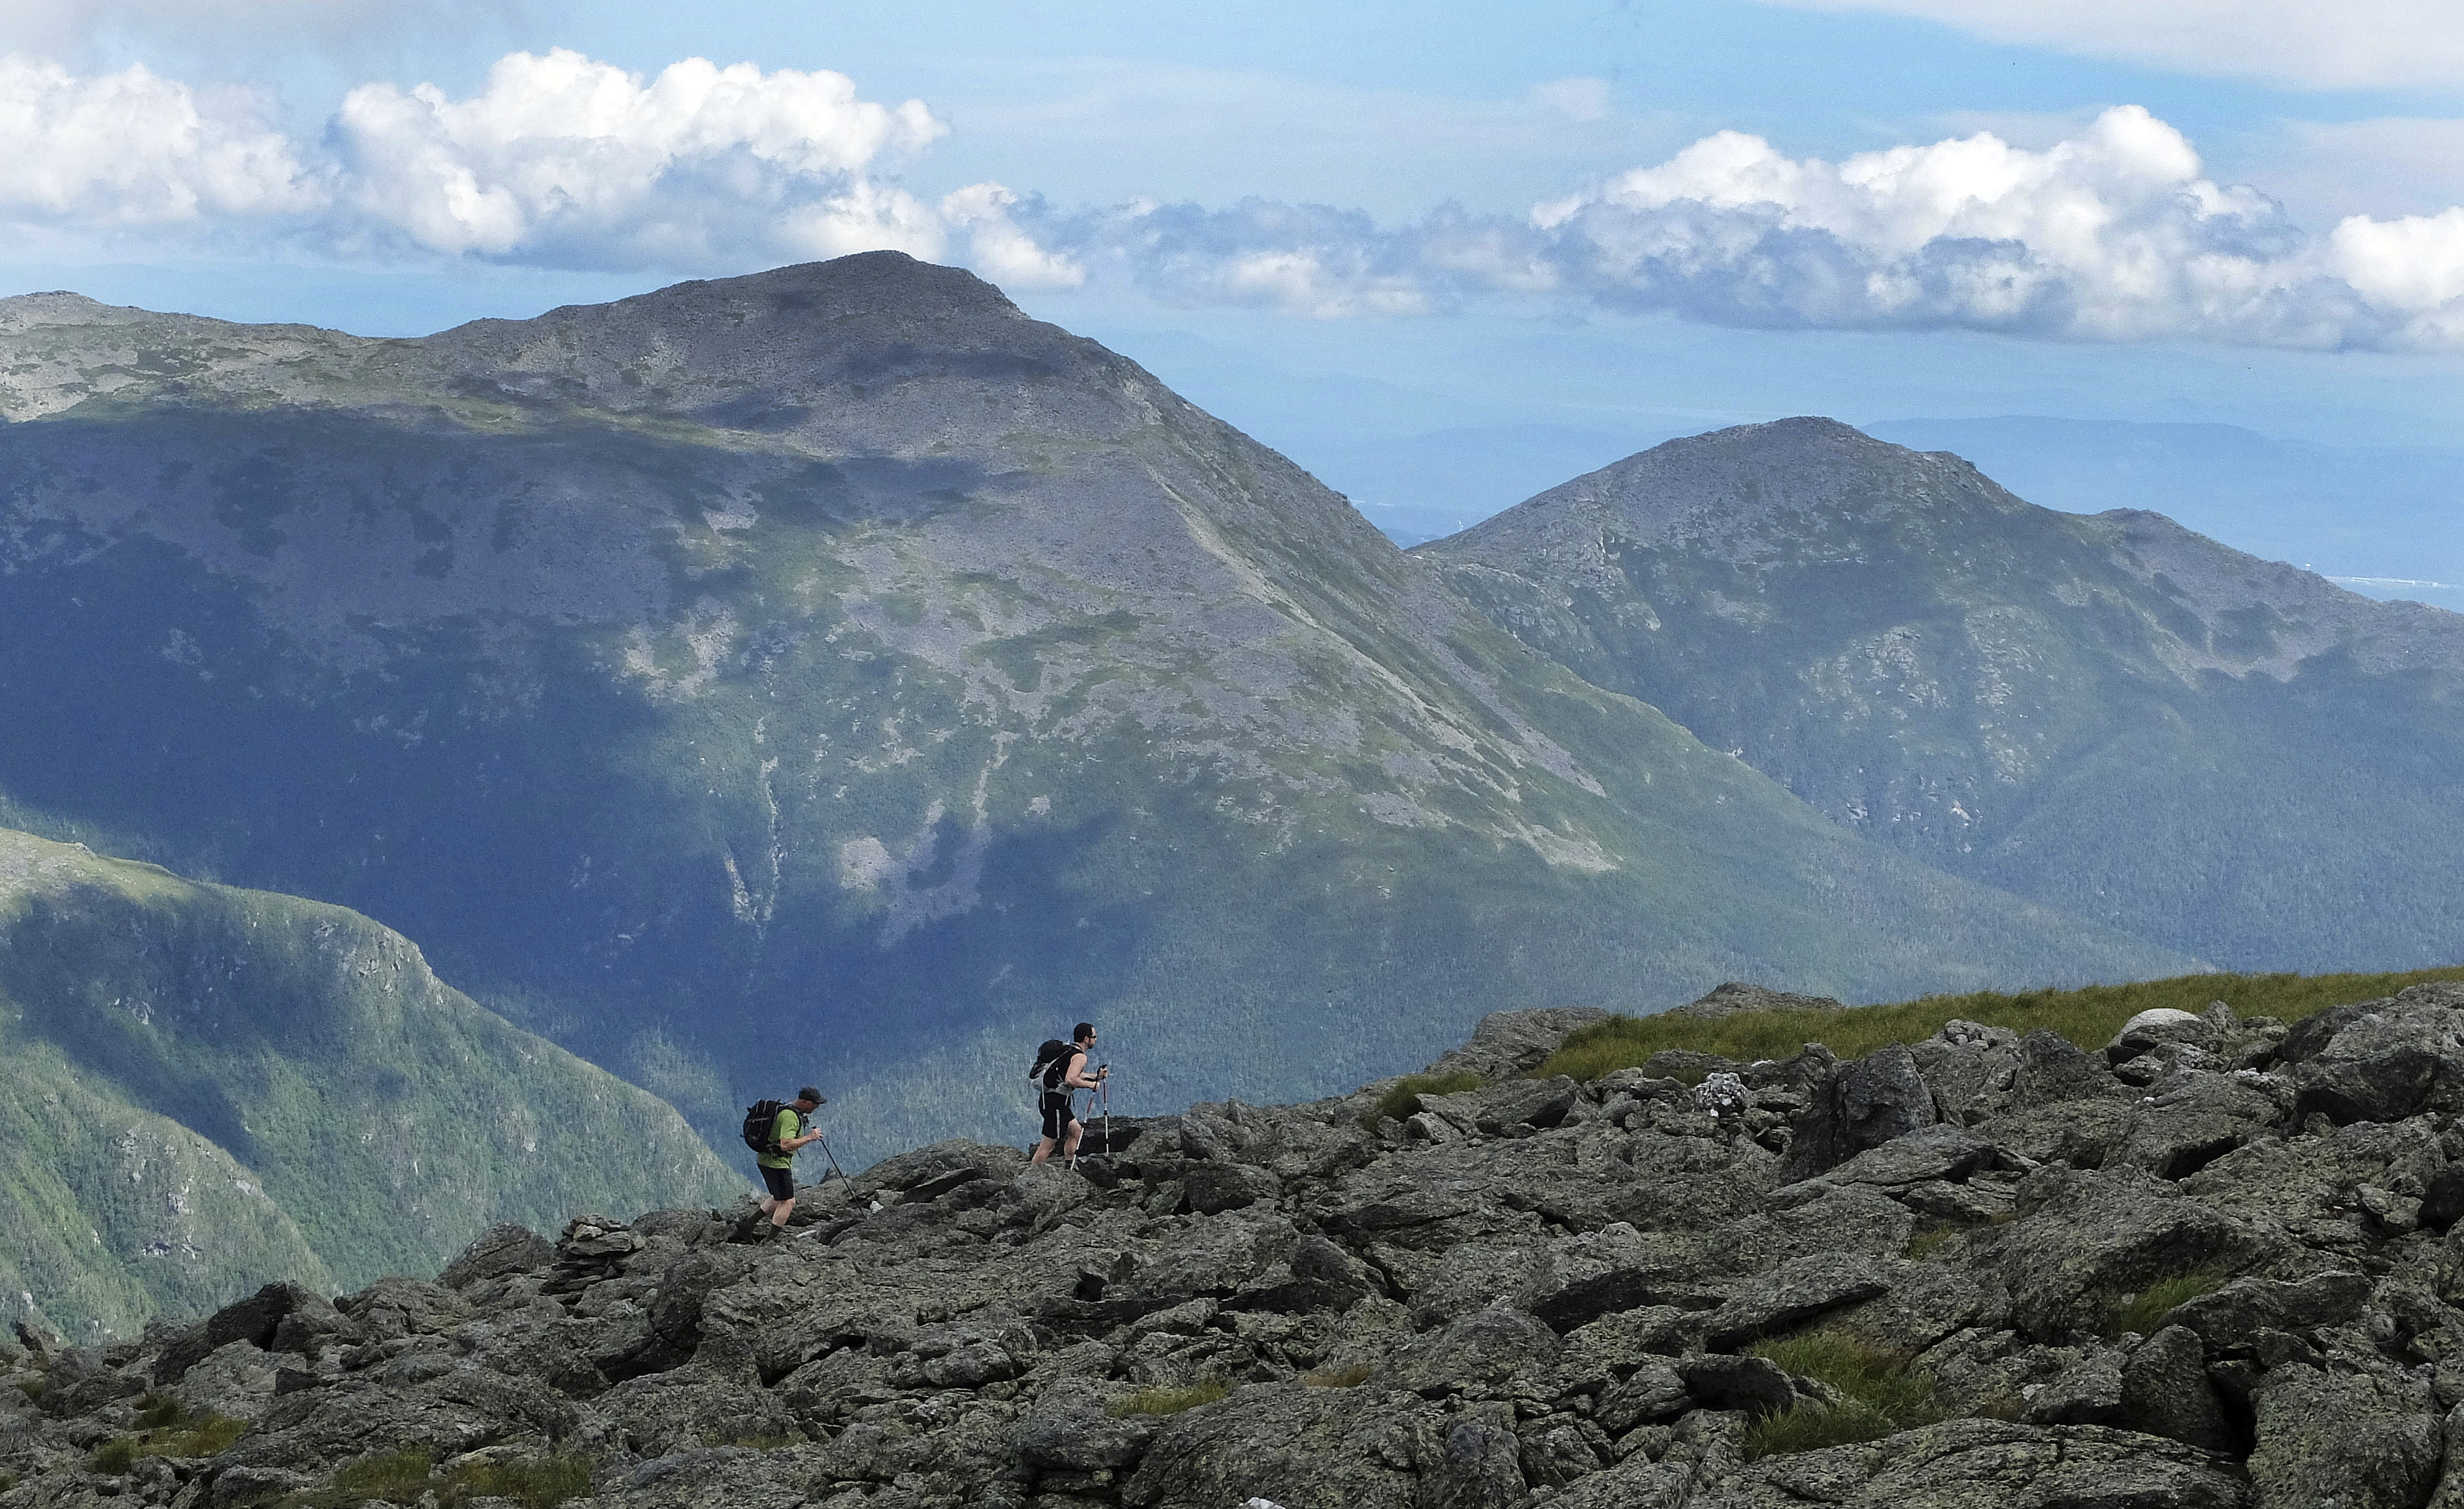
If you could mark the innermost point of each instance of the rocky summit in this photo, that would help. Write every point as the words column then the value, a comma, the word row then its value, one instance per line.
column 2208, row 1263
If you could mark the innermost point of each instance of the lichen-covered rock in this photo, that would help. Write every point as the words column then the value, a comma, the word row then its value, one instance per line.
column 2381, row 1061
column 2166, row 1392
column 1487, row 1347
column 1990, row 1464
column 1361, row 1448
column 1736, row 997
column 2088, row 1238
column 1560, row 1301
column 506, row 1248
column 2353, row 1441
column 1861, row 1105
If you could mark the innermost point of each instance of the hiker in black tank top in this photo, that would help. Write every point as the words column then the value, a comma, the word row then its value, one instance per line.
column 1058, row 1076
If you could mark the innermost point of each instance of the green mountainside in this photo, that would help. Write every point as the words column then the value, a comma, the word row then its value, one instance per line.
column 835, row 672
column 2109, row 713
column 205, row 1089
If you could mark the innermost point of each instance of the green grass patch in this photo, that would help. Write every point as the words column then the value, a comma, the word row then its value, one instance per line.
column 2089, row 1015
column 402, row 1477
column 2144, row 1312
column 165, row 1428
column 1172, row 1401
column 1926, row 1241
column 1345, row 1375
column 1880, row 1393
column 32, row 1388
column 205, row 1435
column 1396, row 1101
column 160, row 1412
column 1811, row 1426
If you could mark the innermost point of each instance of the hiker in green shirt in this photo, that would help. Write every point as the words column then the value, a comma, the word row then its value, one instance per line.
column 787, row 1133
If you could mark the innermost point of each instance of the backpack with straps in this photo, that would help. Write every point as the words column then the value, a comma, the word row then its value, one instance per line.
column 761, row 1125
column 1051, row 1062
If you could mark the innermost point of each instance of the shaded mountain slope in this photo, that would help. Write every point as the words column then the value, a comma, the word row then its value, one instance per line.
column 2110, row 715
column 209, row 1088
column 835, row 672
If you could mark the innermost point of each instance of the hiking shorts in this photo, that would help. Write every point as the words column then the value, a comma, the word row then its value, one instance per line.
column 781, row 1182
column 1057, row 1115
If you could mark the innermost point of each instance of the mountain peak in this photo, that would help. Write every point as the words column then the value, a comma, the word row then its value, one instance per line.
column 866, row 285
column 1742, row 479
column 776, row 351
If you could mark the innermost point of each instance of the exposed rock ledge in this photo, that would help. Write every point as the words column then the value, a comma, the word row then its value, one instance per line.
column 1536, row 1293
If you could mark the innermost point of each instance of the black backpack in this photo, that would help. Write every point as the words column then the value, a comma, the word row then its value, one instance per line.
column 1051, row 1062
column 761, row 1125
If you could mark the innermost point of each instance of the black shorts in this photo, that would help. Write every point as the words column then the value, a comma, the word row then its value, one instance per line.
column 1058, row 1116
column 781, row 1182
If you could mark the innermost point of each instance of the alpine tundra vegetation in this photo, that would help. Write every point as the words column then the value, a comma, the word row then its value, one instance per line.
column 2211, row 1264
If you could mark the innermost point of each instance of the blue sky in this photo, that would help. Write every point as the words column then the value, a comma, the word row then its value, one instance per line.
column 1442, row 254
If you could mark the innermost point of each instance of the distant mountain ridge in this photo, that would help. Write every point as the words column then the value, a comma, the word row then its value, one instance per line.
column 2283, row 499
column 2111, row 714
column 206, row 1089
column 836, row 673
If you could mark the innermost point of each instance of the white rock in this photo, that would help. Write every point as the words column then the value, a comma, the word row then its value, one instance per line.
column 2159, row 1016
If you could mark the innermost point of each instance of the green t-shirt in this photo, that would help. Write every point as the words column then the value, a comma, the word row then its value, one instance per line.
column 788, row 1125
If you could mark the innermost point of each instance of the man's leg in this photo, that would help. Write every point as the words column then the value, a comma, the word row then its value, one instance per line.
column 1051, row 1131
column 780, row 1183
column 1069, row 1149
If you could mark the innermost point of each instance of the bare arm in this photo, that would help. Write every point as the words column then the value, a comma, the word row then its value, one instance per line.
column 1078, row 1079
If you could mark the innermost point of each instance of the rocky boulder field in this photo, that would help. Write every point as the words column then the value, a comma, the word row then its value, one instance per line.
column 2208, row 1264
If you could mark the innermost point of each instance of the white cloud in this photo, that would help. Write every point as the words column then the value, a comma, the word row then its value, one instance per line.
column 557, row 159
column 2113, row 234
column 130, row 150
column 2110, row 236
column 584, row 163
column 2350, row 44
column 998, row 247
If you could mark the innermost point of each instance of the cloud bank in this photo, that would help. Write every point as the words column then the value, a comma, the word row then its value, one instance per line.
column 558, row 160
column 2113, row 235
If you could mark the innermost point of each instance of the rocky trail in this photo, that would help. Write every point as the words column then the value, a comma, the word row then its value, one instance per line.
column 2206, row 1265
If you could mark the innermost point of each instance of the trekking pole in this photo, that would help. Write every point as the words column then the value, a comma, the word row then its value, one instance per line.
column 827, row 1153
column 1103, row 1093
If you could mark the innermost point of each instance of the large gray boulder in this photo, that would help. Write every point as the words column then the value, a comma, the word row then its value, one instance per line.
column 1360, row 1447
column 2089, row 1240
column 1736, row 999
column 1487, row 1346
column 1507, row 1042
column 1987, row 1464
column 2381, row 1061
column 2166, row 1392
column 2353, row 1441
column 1859, row 1105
